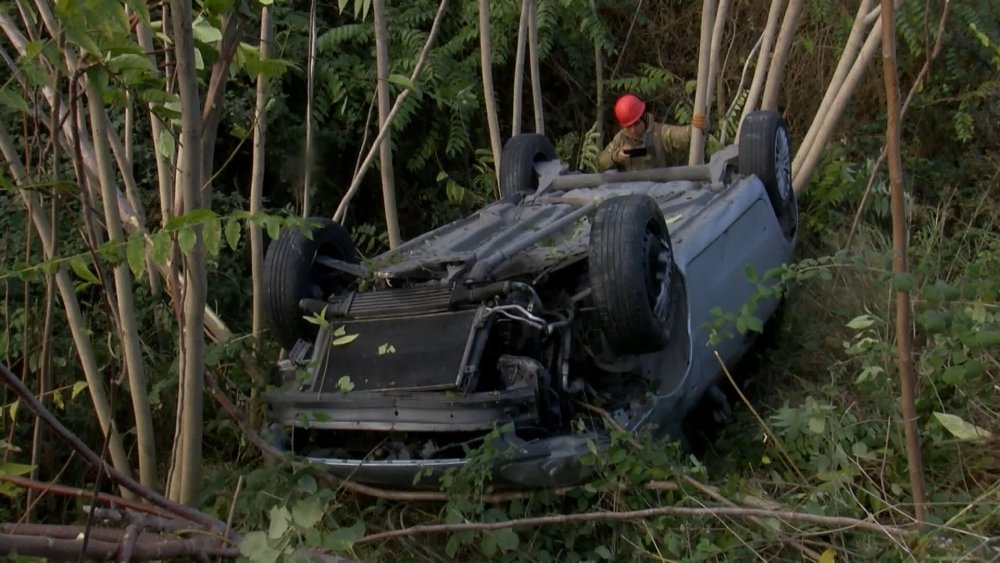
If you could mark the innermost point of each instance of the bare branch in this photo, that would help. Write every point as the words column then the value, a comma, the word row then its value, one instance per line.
column 32, row 404
column 383, row 131
column 840, row 522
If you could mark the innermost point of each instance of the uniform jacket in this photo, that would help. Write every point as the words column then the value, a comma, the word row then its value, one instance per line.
column 666, row 145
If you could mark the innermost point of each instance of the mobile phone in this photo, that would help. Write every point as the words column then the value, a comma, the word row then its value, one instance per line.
column 637, row 151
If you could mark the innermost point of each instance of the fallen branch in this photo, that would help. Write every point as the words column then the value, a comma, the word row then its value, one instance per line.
column 110, row 500
column 56, row 545
column 840, row 522
column 95, row 461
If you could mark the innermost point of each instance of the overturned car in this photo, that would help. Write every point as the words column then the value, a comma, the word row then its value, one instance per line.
column 570, row 292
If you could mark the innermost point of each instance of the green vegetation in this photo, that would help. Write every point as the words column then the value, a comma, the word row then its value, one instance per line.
column 823, row 439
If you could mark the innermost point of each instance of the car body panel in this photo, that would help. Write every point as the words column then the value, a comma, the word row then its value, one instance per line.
column 721, row 227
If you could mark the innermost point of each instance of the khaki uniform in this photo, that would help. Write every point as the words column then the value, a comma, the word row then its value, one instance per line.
column 666, row 144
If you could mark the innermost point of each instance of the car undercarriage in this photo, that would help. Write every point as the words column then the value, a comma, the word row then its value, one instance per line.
column 564, row 307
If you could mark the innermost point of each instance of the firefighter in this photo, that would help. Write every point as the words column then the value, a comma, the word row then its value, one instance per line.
column 643, row 143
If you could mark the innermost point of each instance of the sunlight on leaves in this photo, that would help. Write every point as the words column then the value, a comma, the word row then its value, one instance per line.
column 965, row 431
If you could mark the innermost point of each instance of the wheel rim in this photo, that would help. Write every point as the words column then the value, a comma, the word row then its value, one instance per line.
column 782, row 162
column 657, row 272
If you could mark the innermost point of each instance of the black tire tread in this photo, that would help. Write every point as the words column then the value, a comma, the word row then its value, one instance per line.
column 617, row 274
column 517, row 170
column 756, row 156
column 286, row 276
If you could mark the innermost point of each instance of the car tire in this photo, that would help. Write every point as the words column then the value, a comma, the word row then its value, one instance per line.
column 631, row 261
column 517, row 163
column 766, row 152
column 291, row 274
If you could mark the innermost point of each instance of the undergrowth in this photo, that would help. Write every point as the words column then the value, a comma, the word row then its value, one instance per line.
column 828, row 440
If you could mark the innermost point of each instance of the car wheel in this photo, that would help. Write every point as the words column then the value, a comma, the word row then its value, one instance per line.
column 631, row 260
column 766, row 152
column 517, row 163
column 291, row 274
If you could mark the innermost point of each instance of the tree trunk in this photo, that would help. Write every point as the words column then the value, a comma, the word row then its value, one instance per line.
column 131, row 344
column 847, row 58
column 385, row 148
column 714, row 63
column 74, row 318
column 211, row 115
column 776, row 72
column 310, row 71
column 191, row 384
column 164, row 164
column 489, row 96
column 384, row 130
column 599, row 79
column 257, row 178
column 763, row 62
column 522, row 39
column 697, row 152
column 536, row 75
column 836, row 109
column 904, row 326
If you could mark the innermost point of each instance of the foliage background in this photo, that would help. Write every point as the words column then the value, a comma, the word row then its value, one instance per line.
column 826, row 385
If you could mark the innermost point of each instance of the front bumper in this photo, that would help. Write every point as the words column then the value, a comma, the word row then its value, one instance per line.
column 542, row 463
column 401, row 411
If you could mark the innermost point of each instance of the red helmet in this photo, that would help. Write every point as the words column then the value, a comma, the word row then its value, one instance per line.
column 629, row 109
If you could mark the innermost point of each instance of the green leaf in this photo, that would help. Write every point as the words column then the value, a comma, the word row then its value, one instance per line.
column 306, row 513
column 14, row 469
column 81, row 269
column 346, row 339
column 255, row 546
column 817, row 424
column 233, row 232
column 33, row 48
column 204, row 31
column 401, row 80
column 166, row 145
column 273, row 226
column 861, row 322
column 603, row 552
column 754, row 324
column 488, row 545
column 935, row 322
column 343, row 539
column 961, row 429
column 187, row 239
column 345, row 385
column 77, row 388
column 903, row 281
column 341, row 4
column 212, row 232
column 280, row 518
column 13, row 100
column 750, row 272
column 135, row 252
column 130, row 61
column 507, row 539
column 307, row 484
column 985, row 339
column 161, row 248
